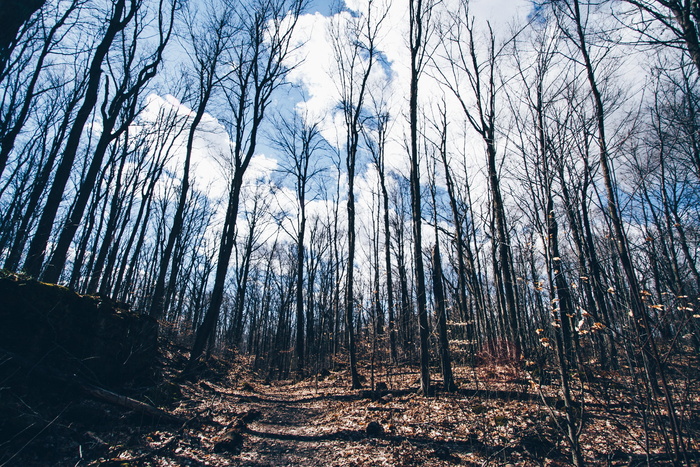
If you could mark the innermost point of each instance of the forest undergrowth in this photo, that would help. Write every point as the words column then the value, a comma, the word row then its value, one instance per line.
column 501, row 414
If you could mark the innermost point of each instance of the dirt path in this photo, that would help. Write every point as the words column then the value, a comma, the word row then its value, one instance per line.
column 292, row 430
column 304, row 425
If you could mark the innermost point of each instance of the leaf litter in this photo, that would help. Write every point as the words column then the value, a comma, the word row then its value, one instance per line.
column 497, row 417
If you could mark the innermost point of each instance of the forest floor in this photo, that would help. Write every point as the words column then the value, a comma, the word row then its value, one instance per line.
column 227, row 416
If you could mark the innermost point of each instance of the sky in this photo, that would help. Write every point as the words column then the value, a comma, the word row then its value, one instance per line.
column 316, row 56
column 317, row 59
column 315, row 93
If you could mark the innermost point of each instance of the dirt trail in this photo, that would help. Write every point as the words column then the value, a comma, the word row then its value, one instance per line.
column 307, row 425
column 291, row 430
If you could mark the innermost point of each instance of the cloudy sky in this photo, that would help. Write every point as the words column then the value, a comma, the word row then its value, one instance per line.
column 315, row 60
column 315, row 94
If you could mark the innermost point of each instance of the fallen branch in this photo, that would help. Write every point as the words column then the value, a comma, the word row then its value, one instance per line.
column 91, row 390
column 127, row 402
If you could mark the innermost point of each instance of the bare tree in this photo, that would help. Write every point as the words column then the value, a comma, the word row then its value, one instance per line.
column 55, row 123
column 258, row 54
column 16, row 15
column 160, row 141
column 469, row 77
column 439, row 295
column 299, row 141
column 117, row 115
column 537, row 148
column 678, row 18
column 117, row 20
column 209, row 41
column 575, row 31
column 376, row 140
column 17, row 108
column 355, row 49
column 420, row 13
column 256, row 218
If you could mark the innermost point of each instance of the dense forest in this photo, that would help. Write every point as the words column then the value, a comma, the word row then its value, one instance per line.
column 423, row 184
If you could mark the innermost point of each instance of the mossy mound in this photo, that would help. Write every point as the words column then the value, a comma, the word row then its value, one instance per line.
column 90, row 336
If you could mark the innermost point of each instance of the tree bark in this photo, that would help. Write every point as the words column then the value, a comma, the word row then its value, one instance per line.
column 37, row 248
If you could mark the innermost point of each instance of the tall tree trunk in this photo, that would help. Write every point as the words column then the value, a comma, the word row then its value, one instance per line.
column 37, row 248
column 207, row 77
column 206, row 329
column 300, row 291
column 39, row 185
column 10, row 133
column 387, row 264
column 116, row 206
column 443, row 340
column 258, row 73
column 16, row 13
column 350, row 275
column 460, row 247
column 417, row 49
column 642, row 325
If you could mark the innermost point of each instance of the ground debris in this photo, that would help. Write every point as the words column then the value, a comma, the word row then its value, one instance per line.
column 230, row 441
column 234, row 418
column 374, row 429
